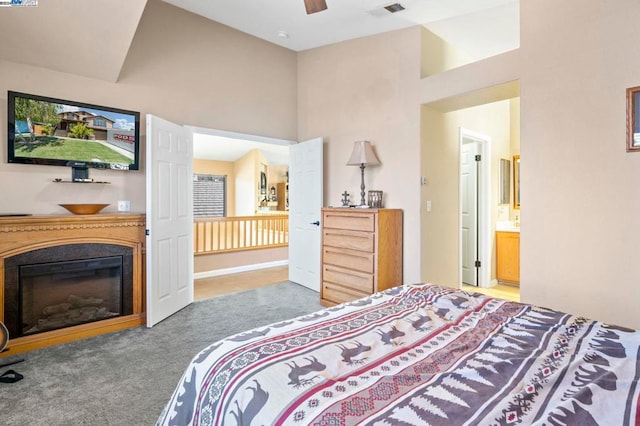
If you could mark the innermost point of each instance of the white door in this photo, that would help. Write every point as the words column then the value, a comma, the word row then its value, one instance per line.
column 169, row 219
column 469, row 210
column 305, row 204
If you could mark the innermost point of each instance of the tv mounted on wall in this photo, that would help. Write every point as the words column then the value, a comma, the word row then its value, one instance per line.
column 57, row 132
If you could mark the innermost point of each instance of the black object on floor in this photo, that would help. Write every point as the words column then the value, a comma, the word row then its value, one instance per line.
column 10, row 376
column 12, row 363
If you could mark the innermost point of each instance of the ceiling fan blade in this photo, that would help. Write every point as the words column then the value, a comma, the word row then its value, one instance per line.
column 314, row 6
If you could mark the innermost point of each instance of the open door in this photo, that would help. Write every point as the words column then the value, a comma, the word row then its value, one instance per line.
column 169, row 219
column 305, row 204
column 475, row 239
column 470, row 158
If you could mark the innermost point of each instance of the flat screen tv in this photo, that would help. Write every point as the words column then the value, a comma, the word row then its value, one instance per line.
column 56, row 132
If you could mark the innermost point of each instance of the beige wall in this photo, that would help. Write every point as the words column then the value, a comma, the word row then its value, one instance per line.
column 246, row 178
column 221, row 168
column 438, row 55
column 181, row 67
column 441, row 167
column 580, row 234
column 368, row 89
column 579, row 197
column 579, row 238
column 277, row 174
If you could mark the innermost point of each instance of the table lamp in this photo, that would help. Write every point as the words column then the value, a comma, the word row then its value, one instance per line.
column 363, row 156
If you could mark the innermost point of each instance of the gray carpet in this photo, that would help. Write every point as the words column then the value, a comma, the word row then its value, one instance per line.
column 126, row 378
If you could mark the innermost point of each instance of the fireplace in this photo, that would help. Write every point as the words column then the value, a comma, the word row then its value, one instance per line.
column 26, row 240
column 67, row 285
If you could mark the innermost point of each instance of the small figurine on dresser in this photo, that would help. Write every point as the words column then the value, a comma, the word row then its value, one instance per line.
column 345, row 199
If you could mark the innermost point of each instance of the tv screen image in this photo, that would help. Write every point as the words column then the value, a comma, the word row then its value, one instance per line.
column 57, row 132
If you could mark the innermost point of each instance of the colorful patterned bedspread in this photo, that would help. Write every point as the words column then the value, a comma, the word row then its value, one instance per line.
column 416, row 355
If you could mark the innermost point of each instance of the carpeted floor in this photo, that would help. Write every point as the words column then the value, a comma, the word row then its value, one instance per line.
column 126, row 378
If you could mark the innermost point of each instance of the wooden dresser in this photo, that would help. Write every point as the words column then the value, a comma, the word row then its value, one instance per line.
column 361, row 253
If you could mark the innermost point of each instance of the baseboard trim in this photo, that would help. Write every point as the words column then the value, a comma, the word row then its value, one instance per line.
column 243, row 268
column 69, row 334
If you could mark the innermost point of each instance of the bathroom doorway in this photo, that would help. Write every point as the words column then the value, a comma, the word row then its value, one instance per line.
column 475, row 175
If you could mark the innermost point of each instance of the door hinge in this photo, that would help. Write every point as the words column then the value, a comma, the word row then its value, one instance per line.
column 478, row 157
column 146, row 232
column 478, row 264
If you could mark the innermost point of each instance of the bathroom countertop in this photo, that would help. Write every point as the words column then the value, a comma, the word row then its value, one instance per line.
column 507, row 226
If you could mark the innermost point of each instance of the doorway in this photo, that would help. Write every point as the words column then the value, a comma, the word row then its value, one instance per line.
column 303, row 162
column 221, row 266
column 474, row 264
column 170, row 241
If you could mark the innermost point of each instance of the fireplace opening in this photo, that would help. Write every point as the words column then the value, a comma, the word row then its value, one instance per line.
column 63, row 294
column 67, row 285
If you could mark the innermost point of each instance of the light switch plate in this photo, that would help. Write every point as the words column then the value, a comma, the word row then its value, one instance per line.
column 124, row 206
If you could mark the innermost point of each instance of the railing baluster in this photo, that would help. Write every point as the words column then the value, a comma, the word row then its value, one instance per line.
column 234, row 236
column 247, row 235
column 217, row 234
column 220, row 234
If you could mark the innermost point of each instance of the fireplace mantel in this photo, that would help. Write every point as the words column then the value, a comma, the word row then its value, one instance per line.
column 21, row 234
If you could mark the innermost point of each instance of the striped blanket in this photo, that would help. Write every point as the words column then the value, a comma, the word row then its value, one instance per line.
column 416, row 355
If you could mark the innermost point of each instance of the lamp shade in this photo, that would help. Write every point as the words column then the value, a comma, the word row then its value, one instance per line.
column 363, row 154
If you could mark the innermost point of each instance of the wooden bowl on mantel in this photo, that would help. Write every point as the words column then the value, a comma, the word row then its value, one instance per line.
column 84, row 208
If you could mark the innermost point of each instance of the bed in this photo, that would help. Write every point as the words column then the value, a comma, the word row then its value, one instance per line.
column 416, row 355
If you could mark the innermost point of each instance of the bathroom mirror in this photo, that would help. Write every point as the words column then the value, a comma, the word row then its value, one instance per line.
column 516, row 181
column 505, row 181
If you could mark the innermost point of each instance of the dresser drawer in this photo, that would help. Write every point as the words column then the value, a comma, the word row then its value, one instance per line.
column 338, row 294
column 355, row 280
column 355, row 240
column 351, row 221
column 351, row 259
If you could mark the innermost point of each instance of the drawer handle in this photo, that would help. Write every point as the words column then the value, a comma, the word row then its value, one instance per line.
column 346, row 273
column 346, row 254
column 328, row 233
column 349, row 216
column 316, row 223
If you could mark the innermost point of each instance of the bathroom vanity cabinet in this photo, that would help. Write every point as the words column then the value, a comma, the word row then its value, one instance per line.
column 508, row 257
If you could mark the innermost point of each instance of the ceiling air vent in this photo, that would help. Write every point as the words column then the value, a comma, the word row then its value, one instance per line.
column 393, row 8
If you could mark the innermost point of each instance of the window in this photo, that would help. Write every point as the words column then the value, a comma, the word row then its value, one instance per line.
column 99, row 122
column 209, row 195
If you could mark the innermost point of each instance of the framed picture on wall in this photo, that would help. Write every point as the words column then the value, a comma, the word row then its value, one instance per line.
column 263, row 183
column 505, row 182
column 516, row 182
column 633, row 119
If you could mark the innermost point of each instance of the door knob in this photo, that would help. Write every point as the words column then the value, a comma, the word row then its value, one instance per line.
column 316, row 223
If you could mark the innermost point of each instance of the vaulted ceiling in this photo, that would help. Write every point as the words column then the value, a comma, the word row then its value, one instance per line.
column 91, row 38
column 480, row 28
column 87, row 38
